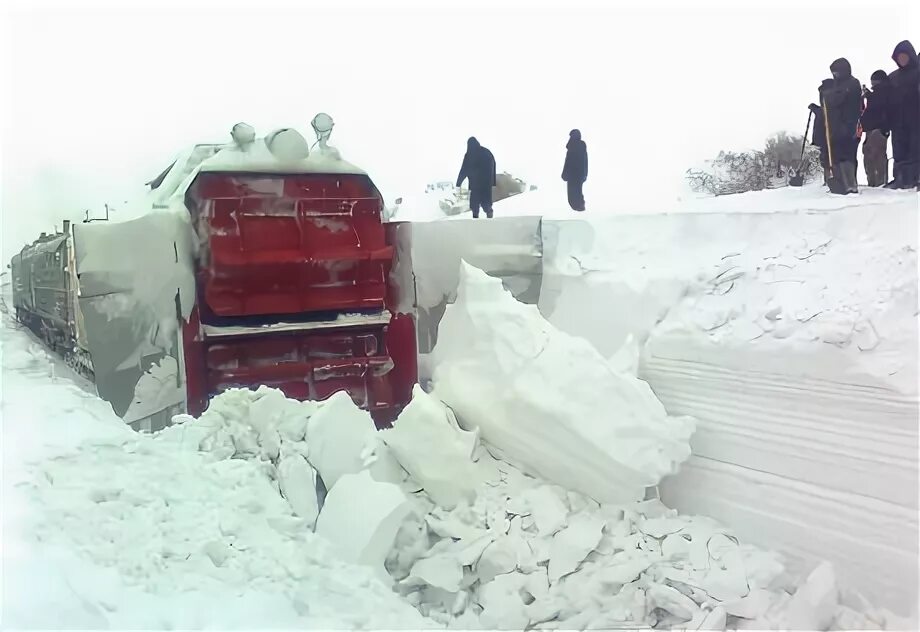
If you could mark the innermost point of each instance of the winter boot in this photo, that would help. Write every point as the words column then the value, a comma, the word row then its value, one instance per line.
column 837, row 181
column 851, row 177
column 845, row 174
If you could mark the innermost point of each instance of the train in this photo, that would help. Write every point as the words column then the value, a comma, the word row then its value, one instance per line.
column 261, row 261
column 44, row 287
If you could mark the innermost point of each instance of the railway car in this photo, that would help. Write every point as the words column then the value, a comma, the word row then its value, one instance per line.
column 45, row 291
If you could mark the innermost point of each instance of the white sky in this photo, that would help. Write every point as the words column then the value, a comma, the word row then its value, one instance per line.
column 99, row 99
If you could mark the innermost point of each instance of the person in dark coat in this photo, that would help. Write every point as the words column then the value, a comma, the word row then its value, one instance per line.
column 575, row 169
column 479, row 167
column 875, row 125
column 904, row 116
column 841, row 98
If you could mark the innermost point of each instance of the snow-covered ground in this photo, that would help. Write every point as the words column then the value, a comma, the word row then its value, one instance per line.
column 788, row 333
column 549, row 201
column 210, row 523
column 785, row 322
column 105, row 528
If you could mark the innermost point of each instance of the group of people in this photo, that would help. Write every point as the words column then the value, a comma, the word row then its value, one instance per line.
column 891, row 108
column 479, row 168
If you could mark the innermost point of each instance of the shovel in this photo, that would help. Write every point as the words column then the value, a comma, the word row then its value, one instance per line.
column 834, row 183
column 797, row 178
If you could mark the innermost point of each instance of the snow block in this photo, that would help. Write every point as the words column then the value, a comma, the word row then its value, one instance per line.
column 435, row 454
column 298, row 485
column 361, row 518
column 337, row 435
column 549, row 402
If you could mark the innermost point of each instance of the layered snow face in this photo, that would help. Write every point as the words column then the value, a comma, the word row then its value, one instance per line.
column 146, row 531
column 792, row 339
column 549, row 402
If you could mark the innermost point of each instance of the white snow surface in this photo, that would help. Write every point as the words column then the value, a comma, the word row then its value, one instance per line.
column 105, row 528
column 549, row 402
column 792, row 337
column 527, row 554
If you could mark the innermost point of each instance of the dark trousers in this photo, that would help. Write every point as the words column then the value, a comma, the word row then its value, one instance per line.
column 875, row 157
column 481, row 197
column 905, row 145
column 576, row 195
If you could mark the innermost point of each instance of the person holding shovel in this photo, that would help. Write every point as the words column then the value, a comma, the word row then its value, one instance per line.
column 841, row 103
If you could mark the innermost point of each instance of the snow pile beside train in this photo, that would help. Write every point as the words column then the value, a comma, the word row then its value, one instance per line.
column 473, row 541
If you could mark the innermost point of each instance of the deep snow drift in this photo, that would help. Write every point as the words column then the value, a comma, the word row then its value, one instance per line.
column 549, row 401
column 792, row 338
column 106, row 528
column 117, row 529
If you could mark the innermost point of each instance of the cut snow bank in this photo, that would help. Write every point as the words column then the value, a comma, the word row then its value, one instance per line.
column 549, row 402
column 792, row 339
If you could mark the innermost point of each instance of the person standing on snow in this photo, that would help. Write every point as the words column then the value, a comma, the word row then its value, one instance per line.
column 875, row 124
column 904, row 116
column 575, row 169
column 841, row 98
column 479, row 167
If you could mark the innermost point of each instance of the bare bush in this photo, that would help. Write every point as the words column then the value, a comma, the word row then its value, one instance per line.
column 737, row 172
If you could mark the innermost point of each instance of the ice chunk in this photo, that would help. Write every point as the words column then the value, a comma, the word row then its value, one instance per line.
column 672, row 600
column 814, row 604
column 572, row 545
column 442, row 571
column 298, row 485
column 502, row 605
column 548, row 511
column 754, row 606
column 435, row 453
column 498, row 558
column 337, row 435
column 361, row 518
column 549, row 402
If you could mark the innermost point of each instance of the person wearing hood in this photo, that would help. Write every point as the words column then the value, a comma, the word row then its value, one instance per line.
column 479, row 168
column 904, row 116
column 841, row 98
column 575, row 169
column 875, row 124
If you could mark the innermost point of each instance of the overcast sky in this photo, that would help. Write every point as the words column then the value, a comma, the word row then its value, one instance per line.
column 98, row 100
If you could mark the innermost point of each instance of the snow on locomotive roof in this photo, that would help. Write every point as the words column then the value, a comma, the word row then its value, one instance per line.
column 254, row 157
column 49, row 244
column 257, row 157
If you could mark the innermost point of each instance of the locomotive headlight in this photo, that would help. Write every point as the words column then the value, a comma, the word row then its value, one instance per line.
column 243, row 134
column 287, row 145
column 322, row 126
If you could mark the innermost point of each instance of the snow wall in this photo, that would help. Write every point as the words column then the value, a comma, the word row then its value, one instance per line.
column 790, row 337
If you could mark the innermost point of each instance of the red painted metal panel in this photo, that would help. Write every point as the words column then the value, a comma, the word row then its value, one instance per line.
column 290, row 244
column 278, row 248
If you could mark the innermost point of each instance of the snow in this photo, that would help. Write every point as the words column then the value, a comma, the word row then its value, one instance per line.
column 361, row 517
column 158, row 389
column 792, row 339
column 339, row 433
column 550, row 402
column 507, row 559
column 106, row 528
column 812, row 428
column 433, row 450
column 257, row 157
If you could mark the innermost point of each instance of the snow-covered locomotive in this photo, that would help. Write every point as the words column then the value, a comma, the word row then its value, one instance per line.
column 257, row 262
column 45, row 298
